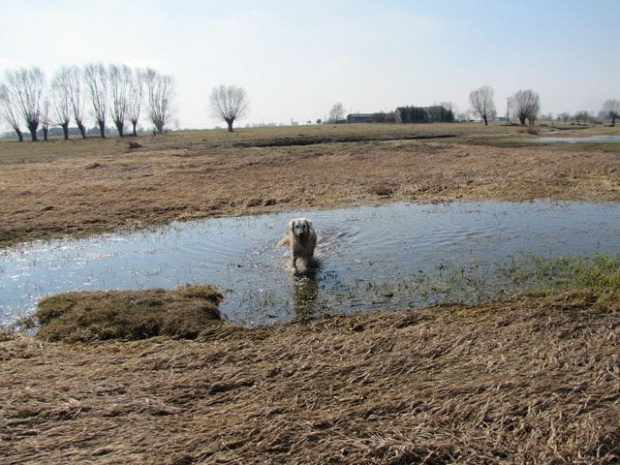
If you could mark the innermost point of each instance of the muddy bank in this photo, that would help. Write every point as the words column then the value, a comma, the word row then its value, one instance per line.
column 532, row 380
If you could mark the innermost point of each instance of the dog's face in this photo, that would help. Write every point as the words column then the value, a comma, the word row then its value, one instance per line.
column 300, row 227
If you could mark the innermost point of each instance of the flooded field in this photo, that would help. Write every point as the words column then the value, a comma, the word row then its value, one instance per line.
column 392, row 256
column 576, row 140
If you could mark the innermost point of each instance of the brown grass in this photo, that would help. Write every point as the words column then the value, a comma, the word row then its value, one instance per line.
column 533, row 380
column 129, row 315
column 83, row 187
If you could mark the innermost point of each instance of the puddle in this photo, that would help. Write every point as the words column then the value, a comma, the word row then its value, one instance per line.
column 389, row 257
column 576, row 140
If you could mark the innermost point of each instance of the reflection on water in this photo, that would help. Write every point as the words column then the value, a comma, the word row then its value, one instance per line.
column 305, row 296
column 368, row 257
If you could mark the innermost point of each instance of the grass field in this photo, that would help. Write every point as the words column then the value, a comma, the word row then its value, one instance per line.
column 90, row 186
column 530, row 379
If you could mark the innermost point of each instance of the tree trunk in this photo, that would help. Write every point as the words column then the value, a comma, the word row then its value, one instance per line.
column 82, row 129
column 32, row 127
column 230, row 124
column 45, row 133
column 486, row 121
column 65, row 130
column 119, row 127
column 135, row 125
column 20, row 134
column 101, row 128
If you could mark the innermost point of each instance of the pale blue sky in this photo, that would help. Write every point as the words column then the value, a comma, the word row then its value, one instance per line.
column 297, row 58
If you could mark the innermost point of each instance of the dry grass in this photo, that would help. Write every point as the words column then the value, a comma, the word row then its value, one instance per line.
column 83, row 187
column 533, row 380
column 129, row 315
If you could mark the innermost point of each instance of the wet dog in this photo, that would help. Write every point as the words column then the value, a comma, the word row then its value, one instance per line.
column 302, row 239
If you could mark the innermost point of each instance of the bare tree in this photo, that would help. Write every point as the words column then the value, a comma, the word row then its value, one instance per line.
column 9, row 112
column 611, row 108
column 96, row 80
column 582, row 116
column 337, row 113
column 75, row 84
column 160, row 93
column 229, row 103
column 564, row 117
column 526, row 106
column 120, row 79
column 61, row 95
column 26, row 87
column 135, row 100
column 482, row 103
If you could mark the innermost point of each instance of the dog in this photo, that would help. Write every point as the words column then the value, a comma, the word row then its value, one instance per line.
column 302, row 239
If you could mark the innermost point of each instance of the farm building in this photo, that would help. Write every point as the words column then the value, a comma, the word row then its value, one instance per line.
column 359, row 118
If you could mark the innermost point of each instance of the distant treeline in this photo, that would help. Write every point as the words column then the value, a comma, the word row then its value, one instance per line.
column 433, row 114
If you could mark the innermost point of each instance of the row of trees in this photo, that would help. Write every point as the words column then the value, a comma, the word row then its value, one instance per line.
column 525, row 106
column 113, row 91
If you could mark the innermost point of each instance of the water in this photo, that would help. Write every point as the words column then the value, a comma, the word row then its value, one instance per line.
column 576, row 140
column 389, row 257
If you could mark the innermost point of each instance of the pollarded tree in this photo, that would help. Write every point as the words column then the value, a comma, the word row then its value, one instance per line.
column 61, row 98
column 26, row 87
column 135, row 100
column 160, row 95
column 75, row 82
column 611, row 108
column 526, row 106
column 482, row 103
column 120, row 78
column 9, row 112
column 229, row 103
column 96, row 80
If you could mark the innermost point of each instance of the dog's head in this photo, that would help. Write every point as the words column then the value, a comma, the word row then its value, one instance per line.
column 300, row 226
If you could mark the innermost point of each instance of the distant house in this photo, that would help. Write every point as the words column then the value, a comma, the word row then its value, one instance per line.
column 359, row 118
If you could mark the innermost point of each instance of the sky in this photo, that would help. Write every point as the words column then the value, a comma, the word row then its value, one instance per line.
column 296, row 59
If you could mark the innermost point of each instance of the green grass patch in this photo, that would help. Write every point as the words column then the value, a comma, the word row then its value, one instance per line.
column 128, row 315
column 600, row 274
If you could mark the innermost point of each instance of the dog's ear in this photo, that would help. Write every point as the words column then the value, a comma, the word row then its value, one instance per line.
column 308, row 223
column 291, row 225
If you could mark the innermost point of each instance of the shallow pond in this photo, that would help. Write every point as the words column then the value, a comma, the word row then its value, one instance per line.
column 576, row 140
column 390, row 257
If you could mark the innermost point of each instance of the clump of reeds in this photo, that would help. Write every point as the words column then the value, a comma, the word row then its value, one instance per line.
column 129, row 315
